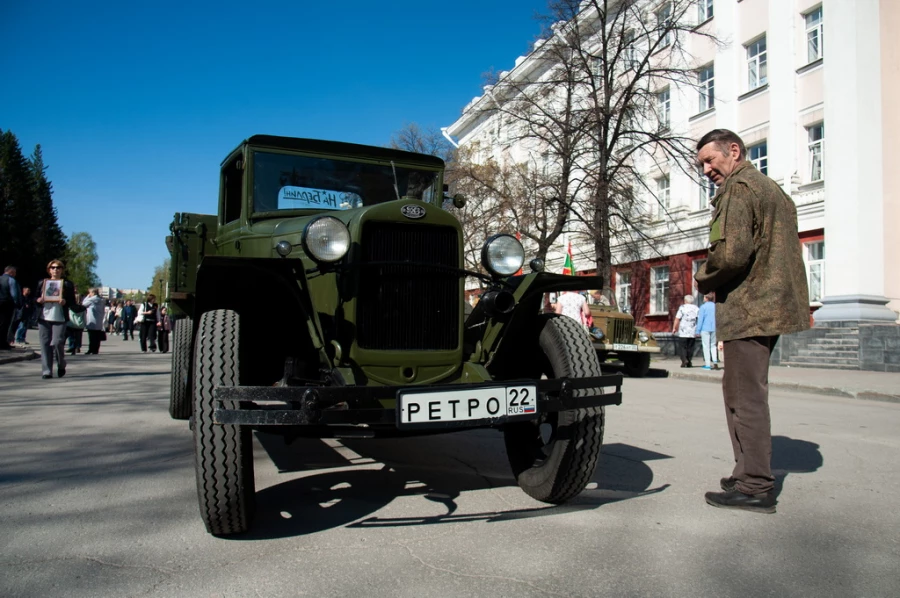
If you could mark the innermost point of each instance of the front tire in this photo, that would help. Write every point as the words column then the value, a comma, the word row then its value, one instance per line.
column 224, row 453
column 554, row 458
column 636, row 365
column 180, row 390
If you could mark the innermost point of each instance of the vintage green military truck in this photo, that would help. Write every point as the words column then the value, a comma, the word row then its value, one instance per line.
column 615, row 336
column 326, row 300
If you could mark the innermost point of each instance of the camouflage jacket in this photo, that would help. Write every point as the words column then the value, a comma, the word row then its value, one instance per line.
column 755, row 263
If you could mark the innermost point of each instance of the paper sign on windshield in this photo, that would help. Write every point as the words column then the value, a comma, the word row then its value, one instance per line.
column 306, row 198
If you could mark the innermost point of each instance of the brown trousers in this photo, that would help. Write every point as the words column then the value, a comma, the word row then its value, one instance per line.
column 745, row 386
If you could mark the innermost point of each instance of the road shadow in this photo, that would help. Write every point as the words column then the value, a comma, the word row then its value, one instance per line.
column 617, row 367
column 439, row 469
column 790, row 455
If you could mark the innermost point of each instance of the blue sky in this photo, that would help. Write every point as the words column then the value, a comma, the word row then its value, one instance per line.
column 136, row 104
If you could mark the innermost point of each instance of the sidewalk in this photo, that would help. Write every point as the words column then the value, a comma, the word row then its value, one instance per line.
column 20, row 354
column 878, row 386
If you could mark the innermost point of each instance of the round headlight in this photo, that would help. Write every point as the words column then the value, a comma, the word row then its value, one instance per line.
column 643, row 336
column 597, row 333
column 326, row 239
column 502, row 255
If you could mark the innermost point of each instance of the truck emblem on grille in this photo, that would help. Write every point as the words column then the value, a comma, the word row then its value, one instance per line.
column 413, row 211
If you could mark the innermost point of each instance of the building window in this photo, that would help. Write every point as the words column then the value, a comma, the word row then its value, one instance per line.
column 759, row 157
column 707, row 88
column 814, row 255
column 707, row 190
column 662, row 196
column 623, row 291
column 814, row 38
column 663, row 108
column 816, row 151
column 698, row 296
column 664, row 24
column 757, row 73
column 630, row 51
column 659, row 290
column 704, row 10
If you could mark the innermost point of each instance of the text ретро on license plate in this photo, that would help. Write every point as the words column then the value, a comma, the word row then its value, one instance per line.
column 463, row 405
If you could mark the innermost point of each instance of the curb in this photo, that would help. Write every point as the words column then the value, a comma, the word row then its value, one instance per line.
column 15, row 357
column 869, row 395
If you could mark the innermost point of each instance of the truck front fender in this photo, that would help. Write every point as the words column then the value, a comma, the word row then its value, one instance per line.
column 508, row 342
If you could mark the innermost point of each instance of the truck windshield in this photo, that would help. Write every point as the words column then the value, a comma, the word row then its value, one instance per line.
column 291, row 182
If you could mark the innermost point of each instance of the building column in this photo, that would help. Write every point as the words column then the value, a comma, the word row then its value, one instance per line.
column 854, row 166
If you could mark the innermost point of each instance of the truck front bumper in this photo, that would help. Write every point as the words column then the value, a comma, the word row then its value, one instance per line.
column 361, row 405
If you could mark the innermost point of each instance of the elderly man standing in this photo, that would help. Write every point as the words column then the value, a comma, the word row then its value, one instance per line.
column 755, row 267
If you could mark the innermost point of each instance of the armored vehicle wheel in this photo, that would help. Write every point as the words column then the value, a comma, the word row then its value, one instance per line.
column 180, row 389
column 637, row 364
column 224, row 454
column 554, row 458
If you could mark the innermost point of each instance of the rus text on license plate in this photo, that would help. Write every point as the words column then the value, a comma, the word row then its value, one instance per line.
column 464, row 405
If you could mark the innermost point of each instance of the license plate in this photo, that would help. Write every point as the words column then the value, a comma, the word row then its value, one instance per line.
column 618, row 347
column 465, row 405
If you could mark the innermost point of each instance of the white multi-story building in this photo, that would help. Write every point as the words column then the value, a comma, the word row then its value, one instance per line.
column 809, row 86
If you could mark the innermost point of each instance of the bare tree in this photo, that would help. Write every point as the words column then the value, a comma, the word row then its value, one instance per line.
column 511, row 197
column 414, row 138
column 591, row 102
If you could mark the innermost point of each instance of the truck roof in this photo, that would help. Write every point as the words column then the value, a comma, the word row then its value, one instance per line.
column 340, row 147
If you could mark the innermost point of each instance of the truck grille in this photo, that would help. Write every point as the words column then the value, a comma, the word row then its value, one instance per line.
column 408, row 306
column 623, row 331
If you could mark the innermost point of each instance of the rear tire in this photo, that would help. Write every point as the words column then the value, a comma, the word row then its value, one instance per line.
column 554, row 458
column 180, row 390
column 224, row 453
column 636, row 365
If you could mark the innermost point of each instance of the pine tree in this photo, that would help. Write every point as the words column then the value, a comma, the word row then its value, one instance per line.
column 16, row 218
column 48, row 238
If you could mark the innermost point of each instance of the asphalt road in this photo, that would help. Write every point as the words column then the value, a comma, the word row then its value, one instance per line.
column 97, row 498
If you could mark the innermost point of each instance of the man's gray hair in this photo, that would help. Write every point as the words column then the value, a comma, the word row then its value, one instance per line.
column 688, row 298
column 723, row 138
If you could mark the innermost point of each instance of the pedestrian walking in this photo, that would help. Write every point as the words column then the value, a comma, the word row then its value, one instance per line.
column 94, row 320
column 163, row 328
column 55, row 295
column 755, row 266
column 10, row 301
column 148, row 313
column 685, row 329
column 26, row 316
column 75, row 325
column 573, row 305
column 706, row 326
column 129, row 313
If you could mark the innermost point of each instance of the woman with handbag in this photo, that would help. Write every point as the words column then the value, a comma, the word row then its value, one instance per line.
column 75, row 326
column 94, row 320
column 55, row 295
column 147, row 312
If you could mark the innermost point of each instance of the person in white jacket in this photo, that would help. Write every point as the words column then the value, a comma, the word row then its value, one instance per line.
column 94, row 320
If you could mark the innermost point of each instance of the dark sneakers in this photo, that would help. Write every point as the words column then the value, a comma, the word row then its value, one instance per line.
column 60, row 373
column 758, row 503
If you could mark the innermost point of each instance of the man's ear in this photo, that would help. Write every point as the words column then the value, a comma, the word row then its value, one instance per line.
column 735, row 151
